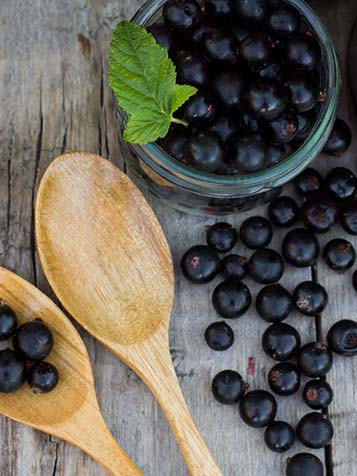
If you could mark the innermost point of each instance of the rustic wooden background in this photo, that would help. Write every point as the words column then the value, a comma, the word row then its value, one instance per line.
column 54, row 98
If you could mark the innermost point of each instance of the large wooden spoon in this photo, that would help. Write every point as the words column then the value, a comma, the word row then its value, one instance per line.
column 107, row 259
column 71, row 410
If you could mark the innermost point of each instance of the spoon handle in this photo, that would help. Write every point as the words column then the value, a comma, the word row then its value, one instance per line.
column 88, row 430
column 153, row 363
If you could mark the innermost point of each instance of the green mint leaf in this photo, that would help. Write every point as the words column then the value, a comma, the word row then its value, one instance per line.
column 143, row 78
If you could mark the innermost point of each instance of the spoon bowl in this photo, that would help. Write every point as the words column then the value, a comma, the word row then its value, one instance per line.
column 107, row 259
column 70, row 411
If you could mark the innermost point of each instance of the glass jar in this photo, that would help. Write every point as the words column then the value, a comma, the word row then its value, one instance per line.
column 201, row 193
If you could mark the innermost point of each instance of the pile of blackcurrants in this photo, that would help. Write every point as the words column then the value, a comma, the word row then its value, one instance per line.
column 32, row 343
column 326, row 199
column 257, row 67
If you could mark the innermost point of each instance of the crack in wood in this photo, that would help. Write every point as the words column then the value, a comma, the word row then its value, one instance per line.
column 9, row 180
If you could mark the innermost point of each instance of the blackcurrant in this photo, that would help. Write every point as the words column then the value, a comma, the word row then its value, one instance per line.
column 176, row 142
column 234, row 267
column 348, row 218
column 284, row 379
column 200, row 109
column 283, row 211
column 252, row 11
column 281, row 341
column 200, row 264
column 283, row 21
column 191, row 68
column 229, row 89
column 182, row 15
column 228, row 387
column 301, row 248
column 221, row 46
column 222, row 237
column 231, row 299
column 315, row 359
column 43, row 377
column 340, row 184
column 310, row 298
column 220, row 10
column 318, row 394
column 342, row 338
column 339, row 140
column 8, row 322
column 256, row 48
column 283, row 129
column 339, row 255
column 258, row 408
column 302, row 53
column 319, row 214
column 219, row 336
column 304, row 464
column 266, row 266
column 256, row 232
column 308, row 183
column 12, row 371
column 205, row 152
column 33, row 340
column 315, row 430
column 279, row 436
column 225, row 127
column 164, row 36
column 302, row 93
column 248, row 153
column 266, row 100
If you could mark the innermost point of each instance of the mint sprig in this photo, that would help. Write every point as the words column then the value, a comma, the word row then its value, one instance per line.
column 143, row 78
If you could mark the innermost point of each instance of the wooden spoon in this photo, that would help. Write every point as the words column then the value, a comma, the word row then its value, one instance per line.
column 107, row 259
column 71, row 410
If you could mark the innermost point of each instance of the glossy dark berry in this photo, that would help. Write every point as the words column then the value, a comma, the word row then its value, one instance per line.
column 43, row 377
column 205, row 152
column 248, row 153
column 240, row 32
column 339, row 255
column 266, row 266
column 225, row 127
column 318, row 394
column 275, row 154
column 164, row 36
column 279, row 436
column 33, row 340
column 266, row 100
column 252, row 11
column 191, row 68
column 274, row 303
column 319, row 214
column 283, row 129
column 348, row 218
column 258, row 408
column 176, row 143
column 8, row 322
column 197, row 35
column 200, row 109
column 284, row 379
column 354, row 281
column 12, row 371
column 271, row 71
column 339, row 140
column 281, row 341
column 231, row 299
column 182, row 15
column 340, row 184
column 315, row 359
column 228, row 387
column 220, row 10
column 234, row 267
column 249, row 123
column 256, row 48
column 219, row 336
column 342, row 338
column 302, row 93
column 315, row 430
column 221, row 46
column 304, row 464
column 229, row 88
column 310, row 298
column 222, row 237
column 302, row 53
column 308, row 183
column 200, row 264
column 256, row 232
column 305, row 124
column 301, row 248
column 283, row 21
column 283, row 211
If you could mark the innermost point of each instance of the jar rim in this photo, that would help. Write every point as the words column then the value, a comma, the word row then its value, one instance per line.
column 228, row 185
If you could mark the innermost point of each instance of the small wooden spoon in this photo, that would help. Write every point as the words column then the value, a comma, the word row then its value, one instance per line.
column 107, row 259
column 71, row 410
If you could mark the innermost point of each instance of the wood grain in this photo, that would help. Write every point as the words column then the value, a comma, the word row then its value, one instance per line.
column 55, row 98
column 94, row 225
column 71, row 410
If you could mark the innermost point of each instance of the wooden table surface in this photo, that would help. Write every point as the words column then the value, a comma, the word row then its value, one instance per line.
column 54, row 97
